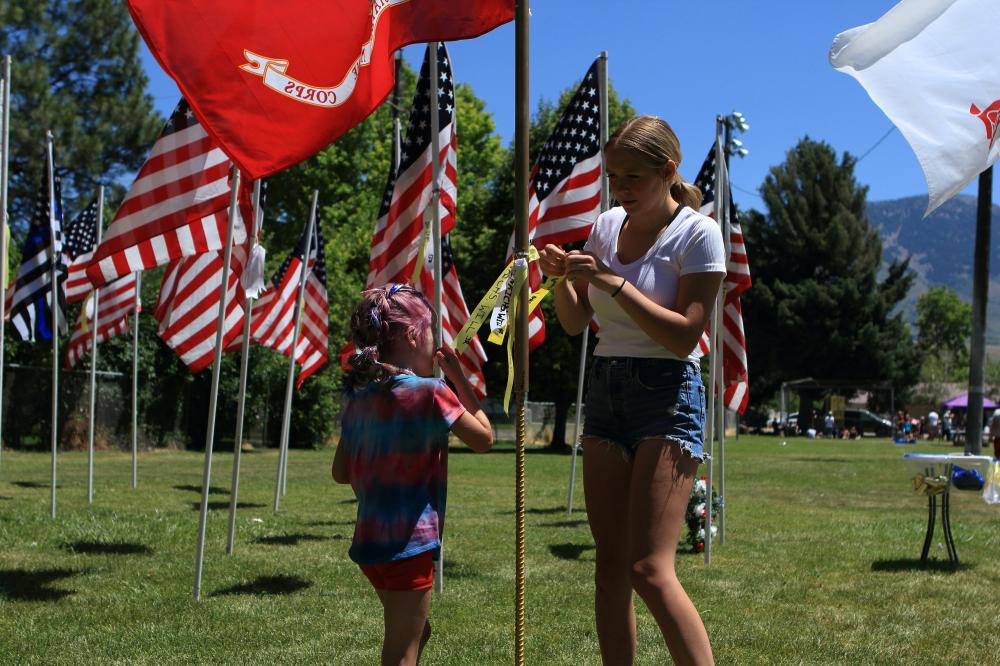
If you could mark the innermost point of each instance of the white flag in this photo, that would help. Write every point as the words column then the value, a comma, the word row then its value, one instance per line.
column 933, row 67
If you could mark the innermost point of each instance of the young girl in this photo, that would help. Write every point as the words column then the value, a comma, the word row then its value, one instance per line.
column 650, row 270
column 394, row 452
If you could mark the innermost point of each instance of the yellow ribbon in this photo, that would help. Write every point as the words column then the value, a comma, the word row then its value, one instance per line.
column 83, row 311
column 509, row 282
column 425, row 238
column 929, row 485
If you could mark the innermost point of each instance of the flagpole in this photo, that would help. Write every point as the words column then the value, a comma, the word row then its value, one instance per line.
column 396, row 147
column 216, row 368
column 5, row 148
column 714, row 358
column 522, row 120
column 722, row 206
column 286, row 418
column 602, row 91
column 435, row 203
column 54, row 316
column 258, row 219
column 93, row 356
column 135, row 380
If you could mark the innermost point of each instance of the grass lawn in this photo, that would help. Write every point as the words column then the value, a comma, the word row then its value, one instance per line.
column 820, row 565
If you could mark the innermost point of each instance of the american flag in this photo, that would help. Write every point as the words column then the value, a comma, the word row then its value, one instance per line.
column 30, row 311
column 81, row 238
column 564, row 194
column 734, row 356
column 187, row 307
column 408, row 193
column 115, row 302
column 176, row 207
column 274, row 319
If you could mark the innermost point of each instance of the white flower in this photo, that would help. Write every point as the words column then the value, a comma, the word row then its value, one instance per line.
column 698, row 510
column 701, row 534
column 699, row 485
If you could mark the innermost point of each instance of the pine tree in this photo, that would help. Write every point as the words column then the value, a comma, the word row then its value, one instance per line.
column 76, row 71
column 818, row 308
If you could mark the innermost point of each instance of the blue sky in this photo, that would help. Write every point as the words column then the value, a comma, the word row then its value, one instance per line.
column 688, row 62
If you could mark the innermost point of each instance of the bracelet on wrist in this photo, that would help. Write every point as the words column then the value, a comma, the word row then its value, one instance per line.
column 615, row 292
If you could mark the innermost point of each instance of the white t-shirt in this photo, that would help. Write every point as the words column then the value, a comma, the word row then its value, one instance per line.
column 932, row 418
column 691, row 243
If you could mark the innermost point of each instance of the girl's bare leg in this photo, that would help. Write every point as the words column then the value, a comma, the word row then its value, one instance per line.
column 606, row 475
column 662, row 476
column 407, row 629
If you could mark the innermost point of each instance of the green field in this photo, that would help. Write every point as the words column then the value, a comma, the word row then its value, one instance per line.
column 820, row 565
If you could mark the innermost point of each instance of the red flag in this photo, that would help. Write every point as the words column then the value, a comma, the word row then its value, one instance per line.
column 275, row 83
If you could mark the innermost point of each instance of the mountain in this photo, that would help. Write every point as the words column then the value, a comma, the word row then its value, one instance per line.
column 940, row 248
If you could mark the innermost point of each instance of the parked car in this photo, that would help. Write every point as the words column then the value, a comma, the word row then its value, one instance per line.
column 864, row 421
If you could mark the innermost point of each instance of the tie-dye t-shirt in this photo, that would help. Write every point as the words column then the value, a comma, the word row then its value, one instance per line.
column 396, row 444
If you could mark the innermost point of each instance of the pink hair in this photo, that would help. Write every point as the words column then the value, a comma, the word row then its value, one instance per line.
column 384, row 316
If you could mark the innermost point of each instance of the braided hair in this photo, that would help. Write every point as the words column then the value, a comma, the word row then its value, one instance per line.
column 383, row 317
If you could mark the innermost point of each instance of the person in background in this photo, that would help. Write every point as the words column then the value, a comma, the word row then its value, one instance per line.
column 946, row 425
column 932, row 425
column 995, row 432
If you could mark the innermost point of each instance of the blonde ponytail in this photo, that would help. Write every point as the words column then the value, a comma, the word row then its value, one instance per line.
column 654, row 142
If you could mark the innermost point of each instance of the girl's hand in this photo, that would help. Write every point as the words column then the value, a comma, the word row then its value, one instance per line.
column 586, row 265
column 448, row 361
column 552, row 260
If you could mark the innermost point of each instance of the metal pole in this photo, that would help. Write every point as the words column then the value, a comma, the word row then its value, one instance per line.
column 258, row 218
column 522, row 126
column 980, row 295
column 576, row 420
column 5, row 149
column 602, row 91
column 287, row 417
column 216, row 368
column 93, row 357
column 396, row 147
column 712, row 425
column 435, row 204
column 722, row 205
column 54, row 312
column 135, row 380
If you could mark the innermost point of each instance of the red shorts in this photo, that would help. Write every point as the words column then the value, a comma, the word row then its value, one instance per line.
column 410, row 574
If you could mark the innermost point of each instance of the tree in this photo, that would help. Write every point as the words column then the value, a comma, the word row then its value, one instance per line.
column 75, row 70
column 944, row 323
column 817, row 308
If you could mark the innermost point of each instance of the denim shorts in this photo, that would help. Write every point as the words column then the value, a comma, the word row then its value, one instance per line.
column 633, row 399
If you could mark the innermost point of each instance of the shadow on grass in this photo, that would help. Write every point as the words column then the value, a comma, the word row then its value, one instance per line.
column 100, row 548
column 212, row 490
column 455, row 570
column 353, row 500
column 33, row 484
column 220, row 506
column 5, row 498
column 294, row 539
column 569, row 551
column 23, row 585
column 914, row 564
column 566, row 523
column 330, row 523
column 267, row 585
